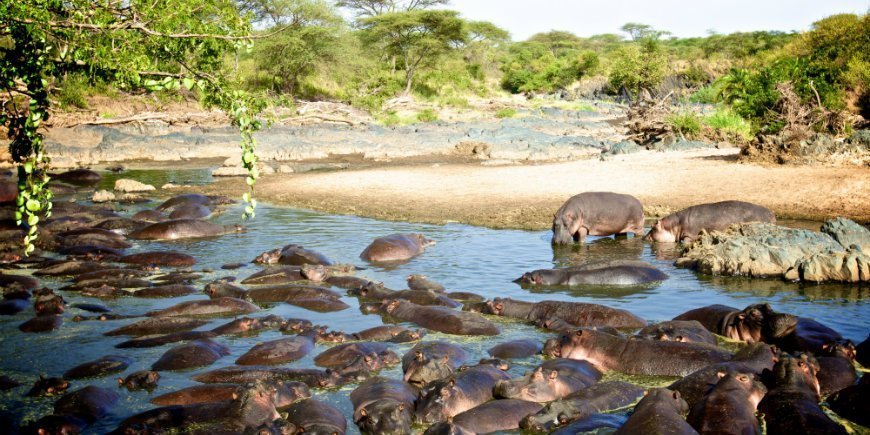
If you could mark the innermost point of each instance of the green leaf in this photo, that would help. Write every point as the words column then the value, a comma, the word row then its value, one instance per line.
column 30, row 248
column 250, row 181
column 33, row 220
column 188, row 83
column 32, row 205
column 249, row 210
column 246, row 197
column 28, row 167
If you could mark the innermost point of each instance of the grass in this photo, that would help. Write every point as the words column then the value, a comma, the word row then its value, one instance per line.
column 687, row 124
column 72, row 91
column 723, row 124
column 427, row 115
column 507, row 112
column 730, row 124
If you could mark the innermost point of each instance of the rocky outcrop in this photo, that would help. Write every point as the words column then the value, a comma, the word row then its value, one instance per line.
column 127, row 185
column 838, row 253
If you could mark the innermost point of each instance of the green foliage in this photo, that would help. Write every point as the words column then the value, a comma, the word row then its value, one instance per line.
column 638, row 66
column 546, row 63
column 507, row 112
column 72, row 91
column 687, row 124
column 729, row 125
column 427, row 115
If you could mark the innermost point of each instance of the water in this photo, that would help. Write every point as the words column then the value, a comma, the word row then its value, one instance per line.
column 465, row 258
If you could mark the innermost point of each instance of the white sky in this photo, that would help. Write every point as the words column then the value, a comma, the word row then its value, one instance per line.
column 684, row 18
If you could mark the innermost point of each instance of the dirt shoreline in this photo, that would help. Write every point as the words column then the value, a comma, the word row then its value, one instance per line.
column 525, row 196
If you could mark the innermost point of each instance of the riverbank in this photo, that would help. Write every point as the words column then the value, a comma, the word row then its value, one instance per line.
column 525, row 196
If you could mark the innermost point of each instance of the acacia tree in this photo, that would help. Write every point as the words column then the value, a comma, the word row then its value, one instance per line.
column 156, row 45
column 371, row 8
column 416, row 37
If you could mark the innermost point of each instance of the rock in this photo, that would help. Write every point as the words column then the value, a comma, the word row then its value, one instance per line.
column 624, row 147
column 127, row 185
column 768, row 250
column 168, row 186
column 285, row 169
column 103, row 196
column 848, row 233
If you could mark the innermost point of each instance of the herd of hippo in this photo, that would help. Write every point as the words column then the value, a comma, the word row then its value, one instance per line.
column 773, row 371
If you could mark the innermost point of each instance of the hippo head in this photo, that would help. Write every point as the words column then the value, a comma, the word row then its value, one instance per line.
column 498, row 363
column 661, row 232
column 564, row 227
column 60, row 425
column 384, row 417
column 422, row 240
column 287, row 393
column 574, row 345
column 255, row 404
column 747, row 382
column 316, row 273
column 759, row 322
column 140, row 380
column 841, row 348
column 494, row 307
column 268, row 257
column 533, row 278
column 435, row 401
column 295, row 325
column 48, row 386
column 668, row 398
column 798, row 373
column 447, row 428
column 48, row 303
column 407, row 336
column 423, row 369
column 538, row 386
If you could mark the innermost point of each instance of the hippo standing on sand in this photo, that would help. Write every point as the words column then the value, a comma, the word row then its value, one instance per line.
column 395, row 247
column 686, row 224
column 596, row 214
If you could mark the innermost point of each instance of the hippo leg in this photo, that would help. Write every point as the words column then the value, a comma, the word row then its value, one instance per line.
column 581, row 234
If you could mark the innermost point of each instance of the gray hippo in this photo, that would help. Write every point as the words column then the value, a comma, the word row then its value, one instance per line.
column 183, row 229
column 757, row 322
column 312, row 416
column 729, row 406
column 792, row 403
column 383, row 406
column 550, row 381
column 660, row 411
column 688, row 331
column 443, row 399
column 79, row 176
column 280, row 351
column 598, row 398
column 685, row 225
column 634, row 355
column 437, row 318
column 395, row 248
column 430, row 361
column 141, row 380
column 617, row 272
column 596, row 214
column 495, row 415
column 197, row 353
column 572, row 313
column 190, row 211
column 100, row 367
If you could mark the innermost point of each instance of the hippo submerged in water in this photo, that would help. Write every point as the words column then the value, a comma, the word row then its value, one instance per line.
column 395, row 248
column 183, row 229
column 596, row 214
column 686, row 224
column 599, row 273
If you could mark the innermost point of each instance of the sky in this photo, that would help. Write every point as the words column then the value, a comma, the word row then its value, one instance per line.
column 683, row 18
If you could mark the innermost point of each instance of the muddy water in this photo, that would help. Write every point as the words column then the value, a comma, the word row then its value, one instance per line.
column 465, row 258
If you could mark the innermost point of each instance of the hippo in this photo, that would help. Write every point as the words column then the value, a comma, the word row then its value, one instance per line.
column 634, row 356
column 384, row 333
column 210, row 307
column 20, row 281
column 220, row 289
column 660, row 411
column 110, row 272
column 312, row 416
column 430, row 361
column 422, row 282
column 253, row 407
column 319, row 304
column 618, row 272
column 834, row 374
column 862, row 352
column 88, row 404
column 197, row 353
column 395, row 248
column 592, row 424
column 159, row 258
column 441, row 319
column 91, row 308
column 289, row 292
column 249, row 325
column 361, row 367
column 48, row 387
column 190, row 211
column 242, row 374
column 601, row 397
column 56, row 424
column 183, row 229
column 150, row 216
column 574, row 313
column 94, row 236
column 515, row 349
column 141, row 380
column 338, row 356
column 185, row 199
column 198, row 394
column 79, row 176
column 64, row 268
column 100, row 367
column 275, row 275
column 757, row 322
column 383, row 406
column 41, row 324
column 158, row 326
column 10, row 307
column 295, row 255
column 596, row 214
column 851, row 402
column 119, row 282
column 729, row 406
column 496, row 415
column 687, row 331
column 161, row 340
column 346, row 282
column 811, row 336
column 165, row 291
column 552, row 380
column 443, row 399
column 7, row 383
column 791, row 404
column 280, row 351
column 684, row 225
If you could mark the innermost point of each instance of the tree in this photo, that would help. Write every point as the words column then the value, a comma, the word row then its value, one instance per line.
column 372, row 8
column 165, row 45
column 417, row 37
column 639, row 31
column 638, row 67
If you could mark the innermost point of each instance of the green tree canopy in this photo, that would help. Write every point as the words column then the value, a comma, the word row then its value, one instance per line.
column 371, row 8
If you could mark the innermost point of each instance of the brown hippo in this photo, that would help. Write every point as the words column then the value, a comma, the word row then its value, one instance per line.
column 811, row 336
column 552, row 380
column 687, row 331
column 684, row 225
column 660, row 411
column 421, row 282
column 617, row 272
column 633, row 355
column 221, row 289
column 385, row 333
column 295, row 255
column 190, row 211
column 252, row 407
column 165, row 291
column 287, row 393
column 289, row 292
column 197, row 353
column 596, row 214
column 150, row 216
column 47, row 302
column 314, row 378
column 383, row 406
column 437, row 318
column 443, row 399
column 100, row 367
column 574, row 313
column 338, row 356
column 729, row 406
column 249, row 325
column 312, row 416
column 141, row 380
column 185, row 199
column 47, row 387
column 275, row 275
column 792, row 403
column 79, row 176
column 183, row 229
column 158, row 326
column 209, row 307
column 395, row 248
column 161, row 258
column 496, row 415
column 754, row 323
column 430, row 361
column 280, row 351
column 598, row 398
column 160, row 340
column 835, row 373
column 852, row 402
column 89, row 403
column 516, row 349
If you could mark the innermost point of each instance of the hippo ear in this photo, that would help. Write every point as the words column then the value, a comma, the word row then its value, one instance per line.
column 578, row 332
column 499, row 306
column 362, row 412
column 401, row 407
column 418, row 355
column 446, row 359
column 452, row 382
column 120, row 381
column 235, row 396
column 676, row 395
column 720, row 374
column 49, row 390
column 553, row 374
column 679, row 338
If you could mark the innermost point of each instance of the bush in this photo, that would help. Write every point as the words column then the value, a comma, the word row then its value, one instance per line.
column 687, row 124
column 507, row 112
column 728, row 125
column 72, row 91
column 427, row 115
column 637, row 67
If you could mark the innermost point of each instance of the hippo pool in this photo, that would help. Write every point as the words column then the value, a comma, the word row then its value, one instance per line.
column 465, row 258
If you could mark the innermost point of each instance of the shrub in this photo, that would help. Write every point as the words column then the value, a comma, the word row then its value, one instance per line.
column 72, row 91
column 637, row 67
column 507, row 112
column 687, row 124
column 728, row 125
column 427, row 115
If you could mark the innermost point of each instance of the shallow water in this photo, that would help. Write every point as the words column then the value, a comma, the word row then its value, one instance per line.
column 465, row 258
